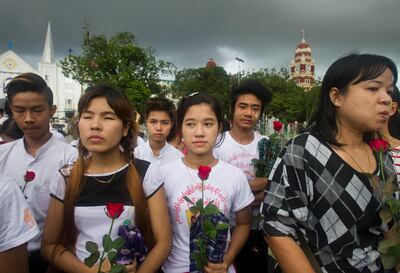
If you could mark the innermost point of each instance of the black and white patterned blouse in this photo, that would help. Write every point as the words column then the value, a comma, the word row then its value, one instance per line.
column 315, row 191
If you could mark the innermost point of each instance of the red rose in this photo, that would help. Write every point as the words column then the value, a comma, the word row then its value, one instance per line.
column 277, row 125
column 114, row 210
column 204, row 172
column 29, row 176
column 379, row 145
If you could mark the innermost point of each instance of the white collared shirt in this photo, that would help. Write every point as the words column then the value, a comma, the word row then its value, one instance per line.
column 168, row 153
column 15, row 161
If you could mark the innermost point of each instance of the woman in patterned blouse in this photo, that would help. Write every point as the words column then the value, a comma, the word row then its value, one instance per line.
column 319, row 186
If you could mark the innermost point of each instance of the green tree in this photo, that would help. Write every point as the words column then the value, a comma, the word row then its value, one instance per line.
column 212, row 80
column 289, row 101
column 120, row 62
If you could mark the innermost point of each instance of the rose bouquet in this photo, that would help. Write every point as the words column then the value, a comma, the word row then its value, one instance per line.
column 268, row 150
column 208, row 232
column 385, row 188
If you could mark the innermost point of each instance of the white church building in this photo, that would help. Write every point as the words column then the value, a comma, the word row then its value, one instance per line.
column 66, row 90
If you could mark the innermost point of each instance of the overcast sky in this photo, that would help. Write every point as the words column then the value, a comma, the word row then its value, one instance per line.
column 187, row 32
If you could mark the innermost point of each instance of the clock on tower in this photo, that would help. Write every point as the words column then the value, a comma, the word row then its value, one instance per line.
column 302, row 68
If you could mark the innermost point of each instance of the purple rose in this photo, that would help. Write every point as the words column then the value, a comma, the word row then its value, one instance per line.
column 134, row 246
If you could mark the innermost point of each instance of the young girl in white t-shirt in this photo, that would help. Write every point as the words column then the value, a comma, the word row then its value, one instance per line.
column 200, row 120
column 105, row 172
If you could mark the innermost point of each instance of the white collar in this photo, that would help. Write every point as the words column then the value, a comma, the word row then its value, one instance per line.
column 162, row 151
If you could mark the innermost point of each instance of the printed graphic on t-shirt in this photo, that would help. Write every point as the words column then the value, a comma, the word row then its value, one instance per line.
column 28, row 218
column 243, row 161
column 212, row 194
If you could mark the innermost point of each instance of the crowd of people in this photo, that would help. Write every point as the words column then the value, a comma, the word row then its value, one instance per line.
column 316, row 211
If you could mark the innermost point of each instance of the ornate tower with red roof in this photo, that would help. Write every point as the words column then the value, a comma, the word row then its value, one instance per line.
column 302, row 68
column 211, row 63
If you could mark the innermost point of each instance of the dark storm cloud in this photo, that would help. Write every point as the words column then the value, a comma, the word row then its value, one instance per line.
column 187, row 32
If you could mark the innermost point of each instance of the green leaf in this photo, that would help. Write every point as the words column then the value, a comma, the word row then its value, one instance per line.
column 188, row 200
column 384, row 246
column 212, row 234
column 388, row 262
column 194, row 210
column 222, row 226
column 199, row 203
column 117, row 268
column 92, row 259
column 111, row 256
column 107, row 243
column 118, row 243
column 207, row 225
column 211, row 209
column 394, row 206
column 91, row 247
column 199, row 243
column 394, row 251
column 209, row 229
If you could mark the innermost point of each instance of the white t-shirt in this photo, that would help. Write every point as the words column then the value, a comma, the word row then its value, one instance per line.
column 15, row 161
column 139, row 140
column 240, row 155
column 168, row 153
column 90, row 219
column 18, row 225
column 226, row 186
column 57, row 134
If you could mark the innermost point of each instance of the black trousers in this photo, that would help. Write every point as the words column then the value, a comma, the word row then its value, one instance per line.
column 36, row 263
column 254, row 255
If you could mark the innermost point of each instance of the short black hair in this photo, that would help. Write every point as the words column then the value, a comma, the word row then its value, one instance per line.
column 163, row 105
column 254, row 87
column 29, row 82
column 348, row 70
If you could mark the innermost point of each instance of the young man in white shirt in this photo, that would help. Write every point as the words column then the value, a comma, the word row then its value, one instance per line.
column 238, row 147
column 160, row 124
column 33, row 160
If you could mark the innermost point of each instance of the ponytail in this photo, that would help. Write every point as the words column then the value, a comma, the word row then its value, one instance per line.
column 74, row 186
column 137, row 194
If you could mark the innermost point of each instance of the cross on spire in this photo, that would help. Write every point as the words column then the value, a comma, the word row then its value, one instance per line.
column 10, row 44
column 303, row 34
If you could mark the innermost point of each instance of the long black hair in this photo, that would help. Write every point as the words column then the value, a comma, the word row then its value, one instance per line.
column 196, row 99
column 350, row 69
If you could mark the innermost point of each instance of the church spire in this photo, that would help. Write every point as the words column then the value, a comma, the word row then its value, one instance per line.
column 48, row 51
